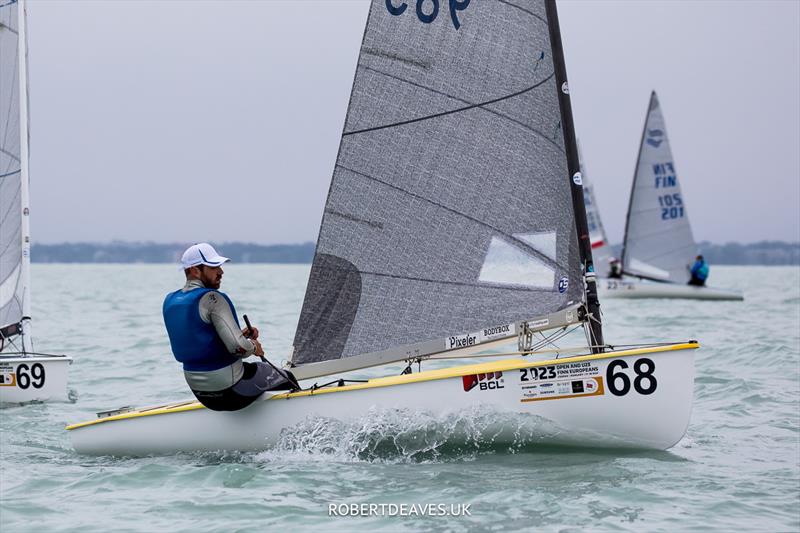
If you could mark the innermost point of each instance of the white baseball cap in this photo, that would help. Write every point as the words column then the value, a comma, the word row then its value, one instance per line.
column 201, row 254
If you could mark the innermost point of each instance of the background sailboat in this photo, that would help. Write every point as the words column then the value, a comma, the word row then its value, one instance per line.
column 24, row 375
column 659, row 246
column 454, row 221
column 602, row 252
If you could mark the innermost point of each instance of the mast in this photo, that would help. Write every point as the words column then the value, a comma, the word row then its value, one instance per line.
column 573, row 166
column 25, row 266
column 633, row 183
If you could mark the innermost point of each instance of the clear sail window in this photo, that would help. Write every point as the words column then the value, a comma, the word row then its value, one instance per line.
column 508, row 265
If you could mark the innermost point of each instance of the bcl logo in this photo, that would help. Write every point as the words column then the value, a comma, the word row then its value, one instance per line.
column 488, row 381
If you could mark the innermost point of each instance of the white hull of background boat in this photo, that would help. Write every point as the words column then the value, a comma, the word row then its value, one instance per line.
column 639, row 398
column 33, row 378
column 629, row 288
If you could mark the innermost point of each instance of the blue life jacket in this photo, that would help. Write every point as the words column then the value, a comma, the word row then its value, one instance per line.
column 700, row 270
column 195, row 343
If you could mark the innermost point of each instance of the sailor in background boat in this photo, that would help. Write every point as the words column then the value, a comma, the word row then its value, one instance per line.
column 205, row 336
column 699, row 272
column 615, row 268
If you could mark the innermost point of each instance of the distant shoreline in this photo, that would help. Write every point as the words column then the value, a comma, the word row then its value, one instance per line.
column 760, row 253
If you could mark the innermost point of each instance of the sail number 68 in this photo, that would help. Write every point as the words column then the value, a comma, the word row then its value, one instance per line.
column 644, row 381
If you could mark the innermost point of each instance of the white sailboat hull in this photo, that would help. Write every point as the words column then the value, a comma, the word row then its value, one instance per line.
column 631, row 288
column 33, row 378
column 635, row 398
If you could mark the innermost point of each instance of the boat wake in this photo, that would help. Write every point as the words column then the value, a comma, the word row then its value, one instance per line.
column 407, row 436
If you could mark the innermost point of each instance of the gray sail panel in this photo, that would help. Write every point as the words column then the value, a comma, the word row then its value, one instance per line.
column 601, row 248
column 450, row 205
column 658, row 237
column 11, row 285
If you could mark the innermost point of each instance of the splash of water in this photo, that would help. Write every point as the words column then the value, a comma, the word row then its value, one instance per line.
column 409, row 436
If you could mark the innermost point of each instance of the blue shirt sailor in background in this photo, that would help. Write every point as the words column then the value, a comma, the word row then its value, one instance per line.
column 205, row 336
column 699, row 272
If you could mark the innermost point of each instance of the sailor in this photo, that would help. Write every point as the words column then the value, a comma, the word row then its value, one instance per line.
column 615, row 268
column 205, row 336
column 699, row 272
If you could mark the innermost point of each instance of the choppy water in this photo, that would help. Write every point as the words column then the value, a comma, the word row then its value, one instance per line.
column 738, row 468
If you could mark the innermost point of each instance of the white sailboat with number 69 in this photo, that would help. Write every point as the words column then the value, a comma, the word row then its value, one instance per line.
column 455, row 223
column 25, row 375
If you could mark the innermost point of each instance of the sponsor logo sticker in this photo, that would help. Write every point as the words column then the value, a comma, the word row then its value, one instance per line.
column 558, row 390
column 539, row 323
column 655, row 137
column 7, row 376
column 487, row 381
column 563, row 284
column 461, row 341
column 486, row 334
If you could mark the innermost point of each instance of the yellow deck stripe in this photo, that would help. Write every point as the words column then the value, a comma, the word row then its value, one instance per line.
column 428, row 375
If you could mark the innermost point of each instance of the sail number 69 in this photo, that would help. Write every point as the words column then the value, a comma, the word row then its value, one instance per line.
column 644, row 381
column 35, row 377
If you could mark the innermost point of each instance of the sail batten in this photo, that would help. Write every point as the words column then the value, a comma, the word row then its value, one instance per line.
column 469, row 107
column 451, row 205
column 658, row 236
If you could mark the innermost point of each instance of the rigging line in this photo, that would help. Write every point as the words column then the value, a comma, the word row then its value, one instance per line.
column 444, row 282
column 549, row 340
column 452, row 111
column 499, row 114
column 517, row 242
column 531, row 13
column 7, row 174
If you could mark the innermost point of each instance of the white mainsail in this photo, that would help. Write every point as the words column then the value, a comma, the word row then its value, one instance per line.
column 658, row 237
column 14, row 208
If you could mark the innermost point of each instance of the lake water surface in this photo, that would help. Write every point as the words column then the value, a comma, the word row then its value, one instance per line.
column 738, row 468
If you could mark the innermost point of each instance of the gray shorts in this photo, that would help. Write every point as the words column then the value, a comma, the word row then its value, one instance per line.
column 257, row 379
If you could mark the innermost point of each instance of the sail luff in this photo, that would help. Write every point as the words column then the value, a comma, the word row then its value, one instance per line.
column 633, row 184
column 576, row 183
column 24, row 122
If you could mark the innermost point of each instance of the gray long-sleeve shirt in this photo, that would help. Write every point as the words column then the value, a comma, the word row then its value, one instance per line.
column 214, row 310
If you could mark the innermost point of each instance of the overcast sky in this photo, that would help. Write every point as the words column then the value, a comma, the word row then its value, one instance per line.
column 205, row 120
